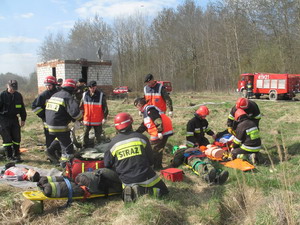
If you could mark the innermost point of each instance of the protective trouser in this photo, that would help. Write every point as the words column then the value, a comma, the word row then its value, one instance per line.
column 47, row 136
column 238, row 151
column 11, row 135
column 98, row 132
column 203, row 141
column 65, row 141
column 54, row 151
column 158, row 147
column 133, row 192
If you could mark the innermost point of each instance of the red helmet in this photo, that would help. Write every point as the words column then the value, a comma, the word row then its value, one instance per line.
column 122, row 121
column 69, row 83
column 50, row 80
column 238, row 113
column 242, row 103
column 202, row 111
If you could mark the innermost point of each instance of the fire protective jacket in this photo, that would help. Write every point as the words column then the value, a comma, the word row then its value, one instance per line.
column 247, row 136
column 155, row 122
column 131, row 155
column 252, row 111
column 11, row 104
column 61, row 109
column 39, row 104
column 94, row 108
column 195, row 131
column 158, row 97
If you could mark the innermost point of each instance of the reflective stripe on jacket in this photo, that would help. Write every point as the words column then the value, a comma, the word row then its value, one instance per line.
column 61, row 109
column 93, row 109
column 154, row 97
column 247, row 136
column 131, row 155
column 151, row 127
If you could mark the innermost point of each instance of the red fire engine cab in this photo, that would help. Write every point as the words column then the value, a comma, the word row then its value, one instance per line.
column 277, row 86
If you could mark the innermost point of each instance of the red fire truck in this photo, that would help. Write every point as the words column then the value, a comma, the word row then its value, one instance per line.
column 277, row 86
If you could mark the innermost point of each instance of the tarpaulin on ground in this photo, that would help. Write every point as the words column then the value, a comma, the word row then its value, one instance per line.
column 29, row 184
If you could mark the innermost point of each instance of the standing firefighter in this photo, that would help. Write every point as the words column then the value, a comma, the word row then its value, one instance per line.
column 156, row 94
column 95, row 112
column 39, row 104
column 247, row 139
column 197, row 127
column 11, row 104
column 81, row 88
column 130, row 154
column 61, row 109
column 158, row 125
column 250, row 107
column 249, row 89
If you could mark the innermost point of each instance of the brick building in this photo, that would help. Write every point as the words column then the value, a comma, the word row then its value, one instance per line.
column 89, row 70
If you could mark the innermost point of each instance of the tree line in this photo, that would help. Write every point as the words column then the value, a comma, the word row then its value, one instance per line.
column 195, row 48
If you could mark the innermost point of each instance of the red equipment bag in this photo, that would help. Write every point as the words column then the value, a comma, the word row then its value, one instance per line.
column 78, row 166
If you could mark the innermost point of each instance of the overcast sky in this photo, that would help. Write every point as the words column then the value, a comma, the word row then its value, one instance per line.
column 25, row 23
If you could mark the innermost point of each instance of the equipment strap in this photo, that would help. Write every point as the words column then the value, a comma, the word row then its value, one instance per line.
column 70, row 194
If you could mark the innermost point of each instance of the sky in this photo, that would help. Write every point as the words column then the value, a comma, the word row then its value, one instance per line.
column 24, row 24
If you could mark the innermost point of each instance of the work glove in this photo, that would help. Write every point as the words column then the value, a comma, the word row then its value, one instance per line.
column 170, row 114
column 160, row 136
column 231, row 131
column 103, row 121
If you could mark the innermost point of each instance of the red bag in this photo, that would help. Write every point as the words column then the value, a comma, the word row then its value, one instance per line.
column 79, row 166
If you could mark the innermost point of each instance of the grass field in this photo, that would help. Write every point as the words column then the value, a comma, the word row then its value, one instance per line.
column 269, row 195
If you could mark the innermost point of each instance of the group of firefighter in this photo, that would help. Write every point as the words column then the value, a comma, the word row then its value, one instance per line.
column 133, row 156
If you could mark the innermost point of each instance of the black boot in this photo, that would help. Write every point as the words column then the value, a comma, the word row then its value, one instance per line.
column 222, row 177
column 9, row 153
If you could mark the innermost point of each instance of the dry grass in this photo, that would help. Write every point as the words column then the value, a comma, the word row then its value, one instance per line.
column 267, row 196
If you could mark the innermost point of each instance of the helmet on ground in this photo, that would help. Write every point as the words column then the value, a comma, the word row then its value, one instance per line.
column 69, row 83
column 122, row 121
column 242, row 103
column 202, row 111
column 238, row 113
column 50, row 80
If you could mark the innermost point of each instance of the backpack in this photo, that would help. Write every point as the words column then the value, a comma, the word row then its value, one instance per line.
column 77, row 166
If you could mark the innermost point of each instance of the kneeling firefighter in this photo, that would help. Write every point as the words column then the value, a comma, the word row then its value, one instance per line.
column 130, row 154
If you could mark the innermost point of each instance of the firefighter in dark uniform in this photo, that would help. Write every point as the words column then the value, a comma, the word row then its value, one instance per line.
column 247, row 139
column 249, row 89
column 156, row 94
column 250, row 107
column 95, row 112
column 197, row 127
column 39, row 104
column 61, row 109
column 11, row 104
column 81, row 88
column 131, row 156
column 158, row 125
